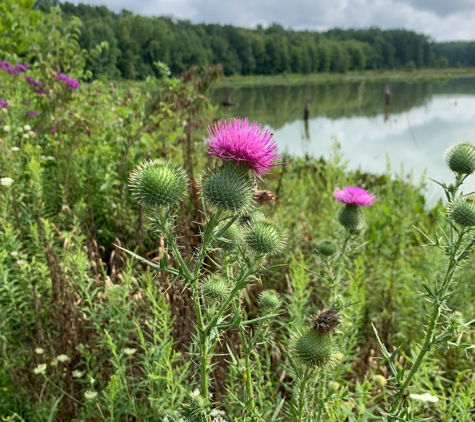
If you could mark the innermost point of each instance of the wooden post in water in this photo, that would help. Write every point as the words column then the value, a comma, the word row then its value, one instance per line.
column 387, row 100
column 387, row 94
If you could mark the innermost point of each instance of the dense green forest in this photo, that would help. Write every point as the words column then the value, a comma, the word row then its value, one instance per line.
column 135, row 42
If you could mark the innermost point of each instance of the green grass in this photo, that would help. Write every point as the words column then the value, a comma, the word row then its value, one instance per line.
column 334, row 78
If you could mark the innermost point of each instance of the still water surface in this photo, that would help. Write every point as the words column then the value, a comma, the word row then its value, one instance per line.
column 421, row 122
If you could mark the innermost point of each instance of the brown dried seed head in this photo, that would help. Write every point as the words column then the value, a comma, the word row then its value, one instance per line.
column 326, row 321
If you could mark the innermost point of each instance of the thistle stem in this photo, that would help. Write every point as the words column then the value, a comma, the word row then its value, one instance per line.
column 437, row 305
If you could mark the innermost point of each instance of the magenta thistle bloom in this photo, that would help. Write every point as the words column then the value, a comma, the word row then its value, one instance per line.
column 3, row 103
column 32, row 81
column 33, row 113
column 13, row 69
column 70, row 82
column 353, row 195
column 243, row 142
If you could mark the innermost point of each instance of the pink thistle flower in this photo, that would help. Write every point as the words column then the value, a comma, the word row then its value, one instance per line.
column 353, row 195
column 3, row 103
column 243, row 142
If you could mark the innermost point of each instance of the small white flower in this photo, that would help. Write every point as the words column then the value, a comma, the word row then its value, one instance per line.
column 92, row 381
column 49, row 158
column 427, row 397
column 14, row 254
column 77, row 374
column 62, row 358
column 6, row 128
column 39, row 351
column 216, row 412
column 26, row 136
column 27, row 128
column 129, row 351
column 6, row 181
column 89, row 395
column 20, row 262
column 15, row 149
column 195, row 393
column 40, row 369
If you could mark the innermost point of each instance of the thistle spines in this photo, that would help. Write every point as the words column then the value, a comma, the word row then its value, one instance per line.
column 461, row 158
column 315, row 346
column 264, row 238
column 158, row 183
column 228, row 187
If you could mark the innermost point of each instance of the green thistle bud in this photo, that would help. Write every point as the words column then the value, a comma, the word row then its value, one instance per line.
column 264, row 238
column 462, row 211
column 314, row 348
column 380, row 381
column 215, row 287
column 269, row 301
column 230, row 239
column 350, row 217
column 251, row 217
column 158, row 183
column 326, row 248
column 228, row 187
column 461, row 158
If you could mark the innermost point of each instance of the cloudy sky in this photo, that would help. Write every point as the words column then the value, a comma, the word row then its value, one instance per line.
column 441, row 19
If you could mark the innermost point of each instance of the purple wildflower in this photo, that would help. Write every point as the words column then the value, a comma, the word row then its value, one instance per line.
column 70, row 82
column 40, row 91
column 53, row 129
column 353, row 195
column 243, row 142
column 3, row 103
column 32, row 113
column 33, row 82
column 13, row 69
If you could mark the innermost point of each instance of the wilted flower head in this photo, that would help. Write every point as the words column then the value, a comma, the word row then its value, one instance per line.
column 354, row 195
column 3, row 103
column 32, row 81
column 243, row 142
column 70, row 82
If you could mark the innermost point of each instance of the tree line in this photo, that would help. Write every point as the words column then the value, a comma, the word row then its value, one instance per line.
column 136, row 42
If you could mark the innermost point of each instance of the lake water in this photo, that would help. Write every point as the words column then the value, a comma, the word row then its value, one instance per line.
column 421, row 122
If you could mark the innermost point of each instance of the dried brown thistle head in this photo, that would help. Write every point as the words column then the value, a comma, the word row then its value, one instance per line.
column 326, row 321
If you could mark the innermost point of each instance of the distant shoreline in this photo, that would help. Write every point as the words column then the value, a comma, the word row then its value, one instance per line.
column 330, row 78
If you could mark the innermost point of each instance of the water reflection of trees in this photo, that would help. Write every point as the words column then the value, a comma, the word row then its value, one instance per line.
column 278, row 105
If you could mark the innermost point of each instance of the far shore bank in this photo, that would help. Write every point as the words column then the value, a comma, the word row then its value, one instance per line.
column 330, row 78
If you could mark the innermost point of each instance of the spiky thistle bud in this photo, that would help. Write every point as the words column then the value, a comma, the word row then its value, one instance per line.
column 215, row 287
column 158, row 183
column 269, row 301
column 250, row 217
column 380, row 381
column 230, row 239
column 461, row 158
column 264, row 238
column 462, row 211
column 326, row 248
column 314, row 348
column 350, row 217
column 228, row 187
